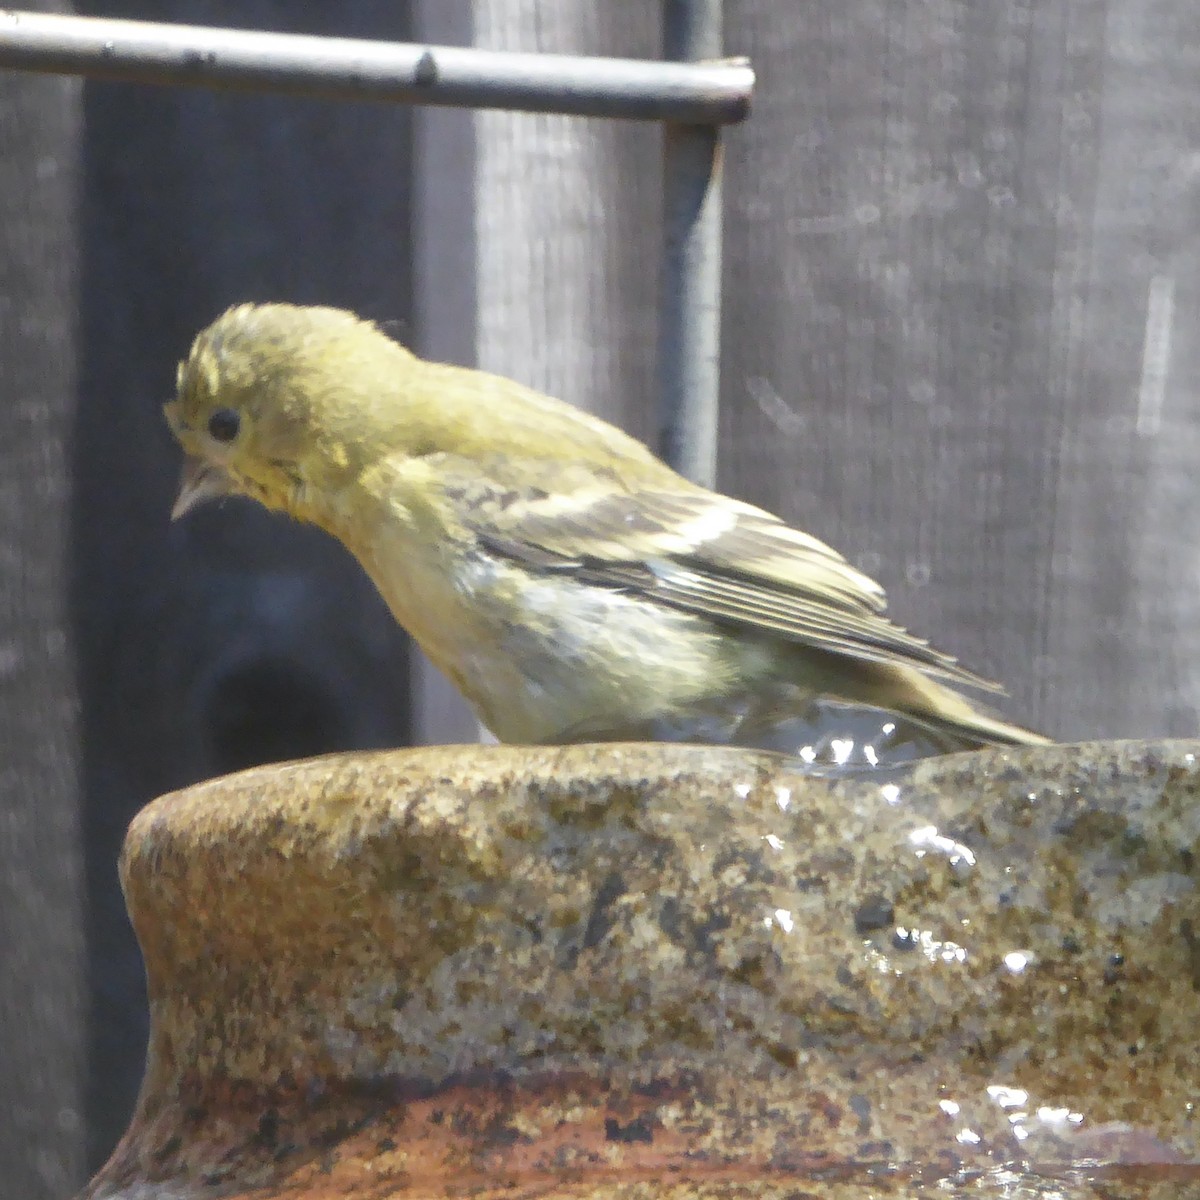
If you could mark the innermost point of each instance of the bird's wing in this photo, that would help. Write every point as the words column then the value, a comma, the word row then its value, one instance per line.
column 697, row 551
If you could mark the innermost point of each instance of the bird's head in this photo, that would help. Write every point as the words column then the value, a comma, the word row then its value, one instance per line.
column 272, row 402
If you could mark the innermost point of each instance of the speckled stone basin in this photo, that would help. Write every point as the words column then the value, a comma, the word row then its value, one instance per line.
column 671, row 971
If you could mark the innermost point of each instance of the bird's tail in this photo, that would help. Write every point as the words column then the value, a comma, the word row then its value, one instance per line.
column 952, row 713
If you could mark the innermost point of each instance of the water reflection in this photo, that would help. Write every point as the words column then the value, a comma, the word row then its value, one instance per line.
column 827, row 736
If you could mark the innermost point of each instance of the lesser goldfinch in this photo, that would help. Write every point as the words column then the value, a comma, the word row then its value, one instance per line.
column 571, row 584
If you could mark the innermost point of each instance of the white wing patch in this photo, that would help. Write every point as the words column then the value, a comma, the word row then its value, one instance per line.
column 707, row 525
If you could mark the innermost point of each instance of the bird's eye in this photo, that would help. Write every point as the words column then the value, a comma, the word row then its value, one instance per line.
column 223, row 425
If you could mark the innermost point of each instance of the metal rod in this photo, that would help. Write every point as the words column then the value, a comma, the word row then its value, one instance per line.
column 690, row 333
column 356, row 69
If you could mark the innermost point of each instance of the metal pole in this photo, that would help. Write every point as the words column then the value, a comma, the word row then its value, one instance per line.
column 689, row 337
column 357, row 69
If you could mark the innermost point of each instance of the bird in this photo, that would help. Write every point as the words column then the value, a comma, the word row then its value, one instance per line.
column 571, row 585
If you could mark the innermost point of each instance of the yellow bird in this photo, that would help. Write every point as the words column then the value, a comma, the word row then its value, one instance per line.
column 572, row 585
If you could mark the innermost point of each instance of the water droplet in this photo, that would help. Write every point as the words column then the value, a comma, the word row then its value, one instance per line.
column 783, row 918
column 927, row 838
column 1007, row 1097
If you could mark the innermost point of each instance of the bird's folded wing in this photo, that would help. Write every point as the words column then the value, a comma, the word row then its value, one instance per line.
column 703, row 553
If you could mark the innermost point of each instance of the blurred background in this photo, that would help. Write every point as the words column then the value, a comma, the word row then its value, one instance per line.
column 961, row 262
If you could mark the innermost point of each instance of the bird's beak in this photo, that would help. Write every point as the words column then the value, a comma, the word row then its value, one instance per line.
column 198, row 482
